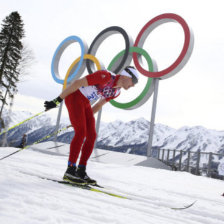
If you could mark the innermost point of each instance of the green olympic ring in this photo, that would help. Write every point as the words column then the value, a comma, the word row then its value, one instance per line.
column 149, row 87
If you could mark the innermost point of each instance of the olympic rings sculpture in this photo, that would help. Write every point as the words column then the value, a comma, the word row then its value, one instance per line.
column 124, row 58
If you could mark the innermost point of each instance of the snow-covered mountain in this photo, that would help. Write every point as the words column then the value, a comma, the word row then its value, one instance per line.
column 132, row 134
column 35, row 129
column 131, row 137
column 135, row 134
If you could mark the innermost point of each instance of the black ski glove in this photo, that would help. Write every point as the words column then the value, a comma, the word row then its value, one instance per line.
column 52, row 104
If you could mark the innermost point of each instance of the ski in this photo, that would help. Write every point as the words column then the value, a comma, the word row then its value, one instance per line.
column 184, row 207
column 104, row 190
column 139, row 198
column 85, row 187
column 96, row 187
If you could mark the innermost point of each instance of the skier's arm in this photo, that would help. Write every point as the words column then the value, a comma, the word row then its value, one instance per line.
column 70, row 89
column 99, row 77
column 98, row 106
column 73, row 87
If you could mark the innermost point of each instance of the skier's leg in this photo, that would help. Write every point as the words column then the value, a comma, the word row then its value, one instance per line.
column 90, row 137
column 87, row 146
column 76, row 110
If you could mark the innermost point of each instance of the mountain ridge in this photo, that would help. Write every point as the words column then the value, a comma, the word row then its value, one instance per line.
column 129, row 136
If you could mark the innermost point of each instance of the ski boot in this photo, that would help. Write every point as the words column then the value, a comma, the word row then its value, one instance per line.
column 72, row 176
column 81, row 172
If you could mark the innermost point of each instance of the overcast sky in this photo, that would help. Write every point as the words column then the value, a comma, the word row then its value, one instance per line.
column 194, row 96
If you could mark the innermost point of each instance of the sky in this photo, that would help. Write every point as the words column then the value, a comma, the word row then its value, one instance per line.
column 194, row 96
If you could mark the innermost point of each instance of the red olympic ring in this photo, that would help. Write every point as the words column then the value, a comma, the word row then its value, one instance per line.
column 184, row 55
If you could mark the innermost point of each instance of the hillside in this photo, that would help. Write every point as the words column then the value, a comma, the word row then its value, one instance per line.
column 26, row 198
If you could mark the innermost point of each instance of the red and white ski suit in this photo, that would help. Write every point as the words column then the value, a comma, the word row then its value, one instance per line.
column 100, row 85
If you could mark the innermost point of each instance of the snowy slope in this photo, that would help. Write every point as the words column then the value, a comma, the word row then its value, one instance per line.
column 25, row 198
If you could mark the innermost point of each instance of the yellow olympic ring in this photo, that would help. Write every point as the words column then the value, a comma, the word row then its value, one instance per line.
column 86, row 56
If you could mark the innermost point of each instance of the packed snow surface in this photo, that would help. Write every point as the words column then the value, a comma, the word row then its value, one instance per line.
column 27, row 199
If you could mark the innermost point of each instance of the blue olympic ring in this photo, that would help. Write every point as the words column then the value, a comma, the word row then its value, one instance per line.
column 57, row 55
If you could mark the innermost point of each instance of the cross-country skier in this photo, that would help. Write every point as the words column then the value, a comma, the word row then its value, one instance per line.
column 23, row 142
column 103, row 85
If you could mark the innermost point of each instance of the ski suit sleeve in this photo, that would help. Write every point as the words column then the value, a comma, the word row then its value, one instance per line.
column 100, row 77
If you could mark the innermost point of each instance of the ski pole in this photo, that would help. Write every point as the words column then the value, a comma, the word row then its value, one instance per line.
column 40, row 140
column 16, row 125
column 22, row 122
column 48, row 136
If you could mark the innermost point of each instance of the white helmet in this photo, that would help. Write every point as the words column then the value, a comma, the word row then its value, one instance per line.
column 131, row 72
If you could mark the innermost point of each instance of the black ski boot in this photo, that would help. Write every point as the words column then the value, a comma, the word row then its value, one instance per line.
column 81, row 172
column 72, row 176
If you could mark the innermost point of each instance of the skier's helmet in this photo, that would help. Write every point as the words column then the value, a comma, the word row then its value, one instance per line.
column 131, row 72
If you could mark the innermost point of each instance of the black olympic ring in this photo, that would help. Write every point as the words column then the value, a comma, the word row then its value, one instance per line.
column 124, row 61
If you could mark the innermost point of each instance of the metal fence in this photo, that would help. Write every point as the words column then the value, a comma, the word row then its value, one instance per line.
column 198, row 163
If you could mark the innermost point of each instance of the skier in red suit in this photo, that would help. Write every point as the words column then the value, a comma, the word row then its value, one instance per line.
column 102, row 85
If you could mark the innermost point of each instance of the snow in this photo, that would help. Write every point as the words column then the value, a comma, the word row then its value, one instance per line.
column 25, row 198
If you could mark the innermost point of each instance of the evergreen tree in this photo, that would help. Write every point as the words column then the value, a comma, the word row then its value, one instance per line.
column 10, row 56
